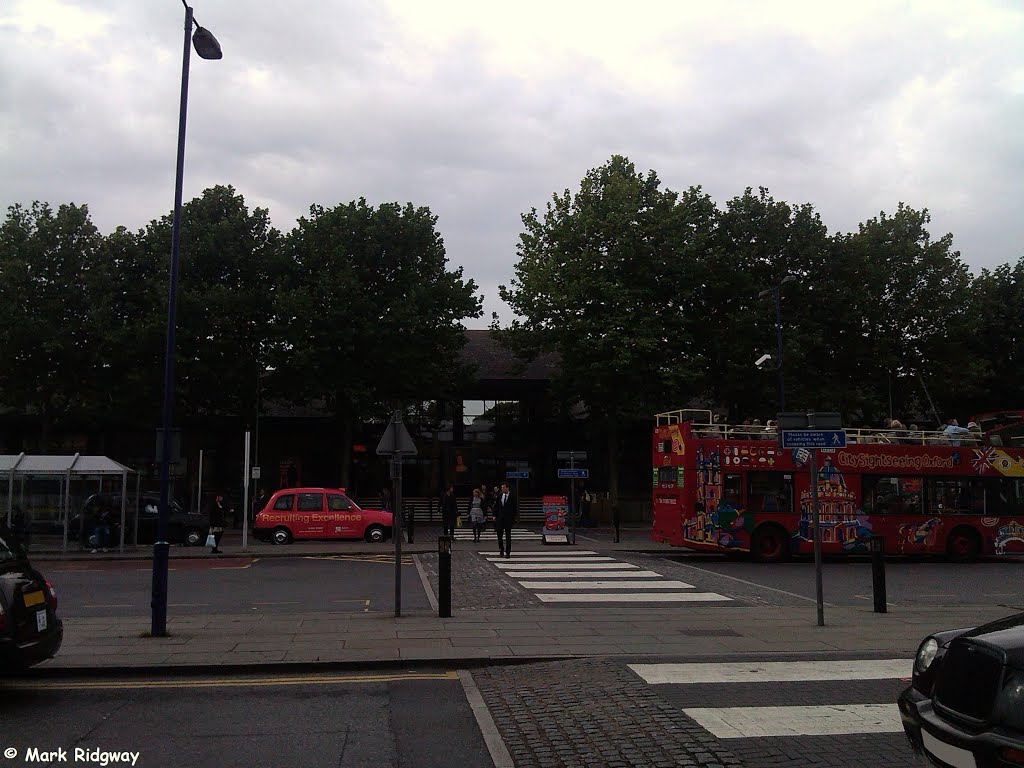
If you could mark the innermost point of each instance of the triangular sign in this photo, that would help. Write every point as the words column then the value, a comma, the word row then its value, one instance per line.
column 396, row 439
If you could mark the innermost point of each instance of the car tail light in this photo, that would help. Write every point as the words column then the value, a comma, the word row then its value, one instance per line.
column 1012, row 756
column 52, row 594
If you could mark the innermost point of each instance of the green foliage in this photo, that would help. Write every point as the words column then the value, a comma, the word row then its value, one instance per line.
column 999, row 302
column 369, row 315
column 606, row 279
column 228, row 266
column 46, row 331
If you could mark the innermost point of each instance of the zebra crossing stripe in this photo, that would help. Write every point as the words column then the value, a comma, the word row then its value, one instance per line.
column 571, row 585
column 830, row 720
column 532, row 555
column 545, row 561
column 581, row 565
column 584, row 574
column 774, row 671
column 634, row 597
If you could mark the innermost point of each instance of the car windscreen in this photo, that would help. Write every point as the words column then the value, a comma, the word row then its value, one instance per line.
column 10, row 548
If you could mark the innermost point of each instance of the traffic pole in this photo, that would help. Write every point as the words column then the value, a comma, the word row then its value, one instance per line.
column 816, row 511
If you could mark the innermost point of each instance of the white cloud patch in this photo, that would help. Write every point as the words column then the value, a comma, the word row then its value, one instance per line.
column 483, row 110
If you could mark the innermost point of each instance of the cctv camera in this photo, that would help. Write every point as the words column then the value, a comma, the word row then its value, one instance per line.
column 763, row 360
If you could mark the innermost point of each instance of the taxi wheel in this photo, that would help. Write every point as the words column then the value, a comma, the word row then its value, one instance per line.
column 374, row 533
column 281, row 536
column 194, row 537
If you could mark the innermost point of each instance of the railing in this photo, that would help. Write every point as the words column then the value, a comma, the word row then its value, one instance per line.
column 857, row 435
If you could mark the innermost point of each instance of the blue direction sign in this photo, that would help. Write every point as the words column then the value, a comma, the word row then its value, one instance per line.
column 573, row 474
column 517, row 475
column 813, row 438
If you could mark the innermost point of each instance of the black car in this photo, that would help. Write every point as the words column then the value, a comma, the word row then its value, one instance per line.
column 966, row 704
column 30, row 631
column 188, row 528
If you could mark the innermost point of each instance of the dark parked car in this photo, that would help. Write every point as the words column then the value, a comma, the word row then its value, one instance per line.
column 966, row 704
column 188, row 528
column 30, row 631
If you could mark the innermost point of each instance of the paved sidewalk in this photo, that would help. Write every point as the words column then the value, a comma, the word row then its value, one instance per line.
column 473, row 636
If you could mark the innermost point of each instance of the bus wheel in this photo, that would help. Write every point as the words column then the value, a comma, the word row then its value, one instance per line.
column 770, row 544
column 963, row 545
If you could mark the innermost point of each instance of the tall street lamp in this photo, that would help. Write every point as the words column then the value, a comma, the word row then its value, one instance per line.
column 775, row 292
column 208, row 48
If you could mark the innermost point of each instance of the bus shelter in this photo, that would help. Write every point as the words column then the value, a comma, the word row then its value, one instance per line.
column 64, row 469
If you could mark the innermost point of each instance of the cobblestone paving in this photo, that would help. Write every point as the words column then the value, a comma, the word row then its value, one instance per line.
column 477, row 584
column 589, row 713
column 858, row 750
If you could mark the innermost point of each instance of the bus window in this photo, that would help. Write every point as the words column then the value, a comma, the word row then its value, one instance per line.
column 769, row 492
column 732, row 491
column 956, row 497
column 891, row 495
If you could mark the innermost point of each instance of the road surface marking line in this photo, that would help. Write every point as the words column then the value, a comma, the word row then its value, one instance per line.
column 632, row 584
column 518, row 555
column 774, row 671
column 106, row 605
column 826, row 720
column 282, row 602
column 583, row 574
column 431, row 597
column 753, row 584
column 549, row 566
column 636, row 597
column 500, row 755
column 562, row 559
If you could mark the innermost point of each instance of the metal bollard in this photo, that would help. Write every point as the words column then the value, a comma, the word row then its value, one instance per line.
column 616, row 520
column 444, row 576
column 411, row 522
column 878, row 573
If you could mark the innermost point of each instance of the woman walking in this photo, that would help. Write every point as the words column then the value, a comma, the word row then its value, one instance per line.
column 476, row 513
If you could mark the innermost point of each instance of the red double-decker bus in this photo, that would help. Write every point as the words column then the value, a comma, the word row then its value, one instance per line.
column 729, row 488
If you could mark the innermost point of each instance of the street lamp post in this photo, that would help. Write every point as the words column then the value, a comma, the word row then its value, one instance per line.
column 775, row 292
column 208, row 48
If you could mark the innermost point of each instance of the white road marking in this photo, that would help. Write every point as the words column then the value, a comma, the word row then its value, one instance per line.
column 500, row 755
column 825, row 720
column 584, row 574
column 751, row 583
column 546, row 561
column 581, row 565
column 635, row 597
column 530, row 555
column 656, row 584
column 774, row 671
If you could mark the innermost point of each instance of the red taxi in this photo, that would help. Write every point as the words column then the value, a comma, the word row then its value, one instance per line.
column 318, row 513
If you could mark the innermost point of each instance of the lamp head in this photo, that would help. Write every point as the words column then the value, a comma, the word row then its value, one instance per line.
column 206, row 44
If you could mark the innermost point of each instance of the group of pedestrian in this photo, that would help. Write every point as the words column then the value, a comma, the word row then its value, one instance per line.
column 498, row 504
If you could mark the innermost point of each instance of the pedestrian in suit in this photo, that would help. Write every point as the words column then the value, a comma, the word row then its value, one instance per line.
column 504, row 516
column 449, row 511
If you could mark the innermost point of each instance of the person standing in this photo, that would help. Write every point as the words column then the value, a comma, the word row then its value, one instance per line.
column 476, row 513
column 217, row 518
column 504, row 516
column 449, row 511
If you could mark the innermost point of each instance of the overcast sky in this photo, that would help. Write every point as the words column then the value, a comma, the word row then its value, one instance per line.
column 481, row 110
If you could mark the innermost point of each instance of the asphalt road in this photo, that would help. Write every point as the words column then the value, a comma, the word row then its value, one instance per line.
column 361, row 720
column 338, row 584
column 922, row 583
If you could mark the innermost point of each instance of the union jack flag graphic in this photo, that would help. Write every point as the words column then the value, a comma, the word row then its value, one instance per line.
column 983, row 459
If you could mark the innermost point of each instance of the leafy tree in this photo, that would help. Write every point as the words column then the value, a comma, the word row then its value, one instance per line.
column 606, row 279
column 46, row 331
column 894, row 311
column 998, row 303
column 228, row 269
column 370, row 315
column 758, row 242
